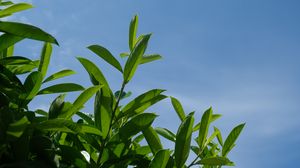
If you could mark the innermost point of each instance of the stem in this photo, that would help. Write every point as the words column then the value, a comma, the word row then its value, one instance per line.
column 111, row 123
column 193, row 162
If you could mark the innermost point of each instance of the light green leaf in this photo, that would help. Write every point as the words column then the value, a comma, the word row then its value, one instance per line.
column 204, row 126
column 161, row 159
column 95, row 74
column 9, row 51
column 183, row 140
column 61, row 88
column 212, row 119
column 45, row 58
column 232, row 137
column 7, row 40
column 17, row 128
column 142, row 102
column 60, row 74
column 138, row 123
column 178, row 108
column 150, row 58
column 124, row 54
column 80, row 101
column 106, row 55
column 132, row 32
column 6, row 3
column 135, row 58
column 219, row 136
column 215, row 161
column 15, row 8
column 152, row 139
column 166, row 133
column 26, row 31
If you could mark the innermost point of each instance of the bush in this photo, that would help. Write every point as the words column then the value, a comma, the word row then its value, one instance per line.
column 110, row 136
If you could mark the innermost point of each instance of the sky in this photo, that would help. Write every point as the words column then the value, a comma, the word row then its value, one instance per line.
column 240, row 57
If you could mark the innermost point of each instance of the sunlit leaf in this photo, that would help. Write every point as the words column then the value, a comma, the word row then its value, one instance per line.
column 45, row 58
column 160, row 160
column 178, row 108
column 61, row 88
column 150, row 58
column 215, row 161
column 60, row 74
column 166, row 133
column 212, row 119
column 15, row 8
column 232, row 137
column 132, row 32
column 152, row 139
column 7, row 40
column 204, row 126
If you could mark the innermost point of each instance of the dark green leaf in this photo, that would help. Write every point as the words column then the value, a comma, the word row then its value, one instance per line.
column 183, row 140
column 60, row 74
column 17, row 128
column 178, row 108
column 45, row 58
column 135, row 58
column 161, row 159
column 56, row 107
column 152, row 139
column 32, row 84
column 232, row 137
column 150, row 58
column 86, row 118
column 15, row 8
column 166, row 133
column 26, row 31
column 106, row 55
column 132, row 32
column 61, row 88
column 204, row 126
column 136, row 124
column 6, row 3
column 15, row 60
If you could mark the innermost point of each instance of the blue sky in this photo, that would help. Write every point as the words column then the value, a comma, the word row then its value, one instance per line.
column 240, row 57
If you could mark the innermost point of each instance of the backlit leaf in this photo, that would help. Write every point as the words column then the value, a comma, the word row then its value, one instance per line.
column 60, row 74
column 150, row 58
column 152, row 139
column 178, row 108
column 45, row 58
column 132, row 32
column 61, row 88
column 15, row 8
column 232, row 137
column 204, row 126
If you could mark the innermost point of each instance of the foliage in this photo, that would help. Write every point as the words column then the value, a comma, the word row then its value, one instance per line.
column 109, row 137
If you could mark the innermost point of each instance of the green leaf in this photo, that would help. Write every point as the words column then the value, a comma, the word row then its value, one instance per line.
column 65, row 125
column 9, row 51
column 135, row 58
column 15, row 8
column 7, row 40
column 106, row 55
column 32, row 84
column 60, row 74
column 80, row 101
column 183, row 140
column 232, row 137
column 142, row 102
column 132, row 32
column 138, row 123
column 124, row 54
column 6, row 3
column 204, row 126
column 15, row 60
column 17, row 128
column 86, row 118
column 26, row 31
column 150, row 58
column 61, row 88
column 166, row 133
column 103, row 109
column 45, row 58
column 71, row 155
column 215, row 161
column 219, row 136
column 161, row 159
column 56, row 107
column 212, row 119
column 152, row 139
column 95, row 74
column 178, row 108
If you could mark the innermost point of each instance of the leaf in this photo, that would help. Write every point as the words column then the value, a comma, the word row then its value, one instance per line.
column 143, row 101
column 166, row 133
column 32, row 84
column 106, row 55
column 103, row 109
column 61, row 88
column 56, row 107
column 124, row 54
column 204, row 126
column 215, row 161
column 26, row 31
column 9, row 51
column 212, row 119
column 80, row 101
column 152, row 139
column 86, row 118
column 138, row 123
column 132, row 32
column 219, row 136
column 178, row 108
column 95, row 74
column 135, row 57
column 15, row 60
column 60, row 74
column 150, row 58
column 183, row 140
column 17, row 128
column 7, row 40
column 6, row 3
column 123, row 95
column 71, row 155
column 232, row 137
column 161, row 159
column 15, row 8
column 45, row 59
